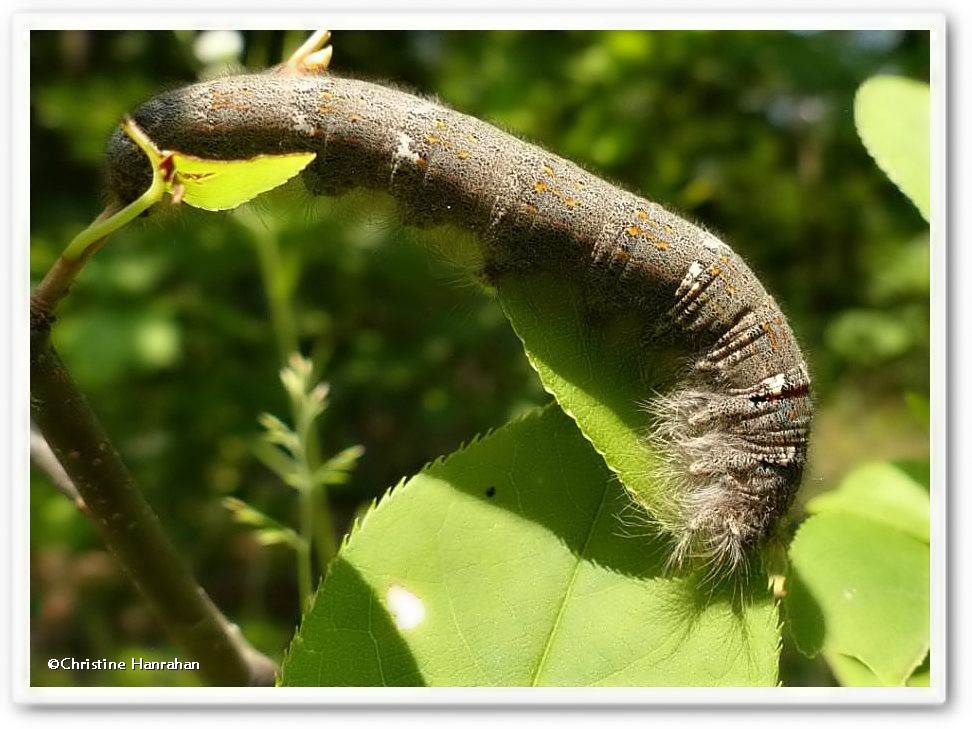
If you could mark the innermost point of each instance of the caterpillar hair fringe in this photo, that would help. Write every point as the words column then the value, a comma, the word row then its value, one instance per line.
column 732, row 428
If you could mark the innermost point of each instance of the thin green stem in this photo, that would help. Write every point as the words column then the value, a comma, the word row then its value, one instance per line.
column 275, row 286
column 324, row 540
column 104, row 227
column 278, row 291
column 305, row 566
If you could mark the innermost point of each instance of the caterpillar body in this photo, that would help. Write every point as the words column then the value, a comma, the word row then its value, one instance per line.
column 733, row 426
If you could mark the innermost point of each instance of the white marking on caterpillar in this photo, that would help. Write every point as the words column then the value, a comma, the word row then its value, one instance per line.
column 404, row 152
column 775, row 384
column 714, row 244
column 302, row 125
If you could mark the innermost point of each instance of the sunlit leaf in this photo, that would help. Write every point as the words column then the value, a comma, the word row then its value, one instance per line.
column 892, row 117
column 599, row 372
column 860, row 588
column 224, row 184
column 851, row 672
column 509, row 564
column 884, row 492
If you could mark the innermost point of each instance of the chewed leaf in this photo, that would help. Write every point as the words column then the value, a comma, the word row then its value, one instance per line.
column 213, row 184
column 892, row 117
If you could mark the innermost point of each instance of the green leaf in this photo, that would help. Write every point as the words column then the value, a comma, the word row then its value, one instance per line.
column 851, row 672
column 267, row 529
column 213, row 184
column 884, row 492
column 892, row 117
column 922, row 674
column 509, row 564
column 597, row 371
column 860, row 588
column 337, row 469
column 273, row 458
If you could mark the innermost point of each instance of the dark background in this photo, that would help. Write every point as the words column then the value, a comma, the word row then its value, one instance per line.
column 171, row 333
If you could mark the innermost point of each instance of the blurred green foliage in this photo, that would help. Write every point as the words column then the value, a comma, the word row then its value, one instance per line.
column 178, row 328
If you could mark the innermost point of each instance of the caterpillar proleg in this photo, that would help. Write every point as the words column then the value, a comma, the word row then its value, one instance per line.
column 733, row 428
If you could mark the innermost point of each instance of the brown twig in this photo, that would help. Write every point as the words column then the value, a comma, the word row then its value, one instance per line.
column 123, row 517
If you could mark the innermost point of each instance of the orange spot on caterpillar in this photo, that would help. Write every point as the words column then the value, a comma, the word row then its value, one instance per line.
column 540, row 186
column 661, row 245
column 220, row 100
column 528, row 208
column 771, row 333
column 633, row 230
column 549, row 170
column 432, row 139
column 714, row 270
column 571, row 202
column 462, row 154
column 641, row 215
column 621, row 254
column 439, row 124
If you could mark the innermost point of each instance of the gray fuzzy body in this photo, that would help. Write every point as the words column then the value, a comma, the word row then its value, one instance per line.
column 733, row 428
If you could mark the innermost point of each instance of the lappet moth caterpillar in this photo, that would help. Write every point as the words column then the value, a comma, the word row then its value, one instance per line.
column 734, row 426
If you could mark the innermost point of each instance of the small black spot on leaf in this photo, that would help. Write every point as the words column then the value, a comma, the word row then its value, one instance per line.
column 491, row 492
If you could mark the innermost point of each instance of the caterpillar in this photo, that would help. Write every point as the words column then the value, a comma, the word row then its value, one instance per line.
column 734, row 424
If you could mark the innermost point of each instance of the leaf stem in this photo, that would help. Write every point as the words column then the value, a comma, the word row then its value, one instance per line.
column 57, row 281
column 105, row 226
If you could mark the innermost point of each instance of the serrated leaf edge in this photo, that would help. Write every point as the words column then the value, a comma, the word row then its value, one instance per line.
column 360, row 522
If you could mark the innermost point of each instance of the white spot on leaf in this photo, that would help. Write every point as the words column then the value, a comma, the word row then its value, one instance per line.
column 407, row 609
